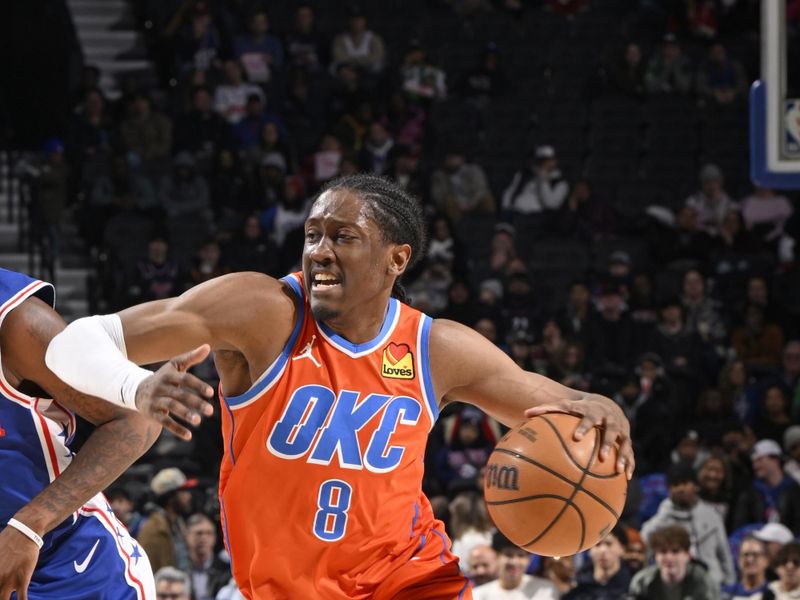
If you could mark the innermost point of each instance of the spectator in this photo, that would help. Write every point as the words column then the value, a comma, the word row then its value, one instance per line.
column 172, row 584
column 375, row 156
column 628, row 73
column 421, row 81
column 765, row 213
column 606, row 577
column 789, row 374
column 635, row 557
column 774, row 536
column 201, row 131
column 654, row 444
column 124, row 509
column 325, row 163
column 272, row 137
column 198, row 44
column 185, row 192
column 757, row 342
column 673, row 341
column 675, row 574
column 520, row 310
column 686, row 245
column 586, row 217
column 468, row 450
column 486, row 81
column 209, row 573
column 459, row 188
column 669, row 71
column 702, row 315
column 231, row 190
column 773, row 419
column 469, row 525
column 163, row 534
column 753, row 563
column 733, row 239
column 791, row 445
column 405, row 170
column 248, row 129
column 145, row 133
column 271, row 180
column 611, row 335
column 773, row 496
column 512, row 582
column 207, row 264
column 230, row 98
column 559, row 570
column 286, row 217
column 715, row 485
column 538, row 188
column 787, row 566
column 258, row 51
column 482, row 565
column 460, row 306
column 252, row 250
column 736, row 392
column 720, row 78
column 359, row 46
column 306, row 48
column 711, row 201
column 155, row 277
column 713, row 417
column 709, row 542
column 577, row 313
column 91, row 128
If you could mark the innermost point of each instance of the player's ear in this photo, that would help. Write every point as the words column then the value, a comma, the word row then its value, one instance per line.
column 399, row 257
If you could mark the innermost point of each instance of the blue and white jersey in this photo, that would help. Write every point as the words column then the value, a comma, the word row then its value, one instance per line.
column 34, row 432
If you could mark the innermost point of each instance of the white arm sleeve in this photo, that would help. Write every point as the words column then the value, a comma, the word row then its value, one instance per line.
column 90, row 356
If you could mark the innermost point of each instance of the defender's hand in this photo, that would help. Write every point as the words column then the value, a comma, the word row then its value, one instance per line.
column 172, row 392
column 19, row 560
column 602, row 412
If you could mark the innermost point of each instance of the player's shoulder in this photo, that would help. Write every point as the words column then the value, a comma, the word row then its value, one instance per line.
column 244, row 288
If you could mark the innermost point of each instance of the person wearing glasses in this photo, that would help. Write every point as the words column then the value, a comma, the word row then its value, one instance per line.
column 172, row 584
column 787, row 566
column 752, row 562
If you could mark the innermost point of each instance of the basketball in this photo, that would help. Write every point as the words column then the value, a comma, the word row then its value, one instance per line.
column 548, row 493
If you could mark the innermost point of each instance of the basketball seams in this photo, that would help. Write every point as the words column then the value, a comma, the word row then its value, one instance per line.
column 569, row 454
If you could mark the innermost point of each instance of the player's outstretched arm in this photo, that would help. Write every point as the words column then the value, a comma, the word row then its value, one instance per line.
column 467, row 367
column 120, row 438
column 245, row 313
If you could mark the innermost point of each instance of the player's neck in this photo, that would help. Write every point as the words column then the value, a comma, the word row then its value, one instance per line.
column 361, row 324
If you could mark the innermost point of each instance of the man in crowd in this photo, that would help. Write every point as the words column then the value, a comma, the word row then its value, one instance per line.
column 675, row 574
column 512, row 583
column 163, row 534
column 773, row 496
column 605, row 577
column 753, row 565
column 482, row 563
column 172, row 584
column 209, row 573
column 709, row 541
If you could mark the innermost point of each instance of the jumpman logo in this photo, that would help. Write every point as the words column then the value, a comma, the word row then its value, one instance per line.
column 306, row 352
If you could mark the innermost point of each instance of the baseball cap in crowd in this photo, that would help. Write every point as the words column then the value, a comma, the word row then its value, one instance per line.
column 765, row 448
column 774, row 532
column 170, row 480
column 710, row 172
column 681, row 473
column 274, row 159
column 791, row 437
column 544, row 152
column 619, row 257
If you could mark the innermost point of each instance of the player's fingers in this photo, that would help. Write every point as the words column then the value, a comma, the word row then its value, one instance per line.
column 189, row 359
column 177, row 406
column 22, row 591
column 610, row 434
column 188, row 389
column 585, row 426
column 550, row 407
column 625, row 459
column 170, row 424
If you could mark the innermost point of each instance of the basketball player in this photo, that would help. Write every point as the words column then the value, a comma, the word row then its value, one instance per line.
column 331, row 384
column 58, row 535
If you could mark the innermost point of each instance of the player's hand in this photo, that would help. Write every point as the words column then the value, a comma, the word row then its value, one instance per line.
column 172, row 392
column 602, row 412
column 19, row 559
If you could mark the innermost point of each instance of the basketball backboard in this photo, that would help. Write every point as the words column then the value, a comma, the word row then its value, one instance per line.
column 775, row 106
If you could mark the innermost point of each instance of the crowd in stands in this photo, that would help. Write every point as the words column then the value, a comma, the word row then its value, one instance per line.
column 684, row 310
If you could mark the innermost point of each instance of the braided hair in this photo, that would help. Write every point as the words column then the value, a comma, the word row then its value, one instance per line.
column 398, row 213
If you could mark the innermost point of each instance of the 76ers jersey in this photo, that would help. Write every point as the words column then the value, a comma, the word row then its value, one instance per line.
column 321, row 482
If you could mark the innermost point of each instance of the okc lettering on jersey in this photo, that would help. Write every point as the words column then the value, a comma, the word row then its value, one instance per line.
column 307, row 412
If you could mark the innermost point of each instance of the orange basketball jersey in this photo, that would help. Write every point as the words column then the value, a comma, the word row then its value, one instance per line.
column 320, row 486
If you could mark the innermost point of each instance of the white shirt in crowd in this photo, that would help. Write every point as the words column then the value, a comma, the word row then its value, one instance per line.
column 531, row 588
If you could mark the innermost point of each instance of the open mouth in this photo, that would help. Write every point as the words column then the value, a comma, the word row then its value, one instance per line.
column 324, row 281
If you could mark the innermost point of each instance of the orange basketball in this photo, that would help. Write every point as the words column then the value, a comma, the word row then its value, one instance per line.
column 548, row 493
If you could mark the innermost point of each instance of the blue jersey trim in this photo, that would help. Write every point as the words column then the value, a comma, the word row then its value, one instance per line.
column 230, row 437
column 275, row 370
column 425, row 366
column 358, row 350
column 414, row 520
column 225, row 531
column 444, row 545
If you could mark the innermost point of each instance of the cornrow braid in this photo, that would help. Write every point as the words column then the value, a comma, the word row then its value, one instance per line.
column 398, row 213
